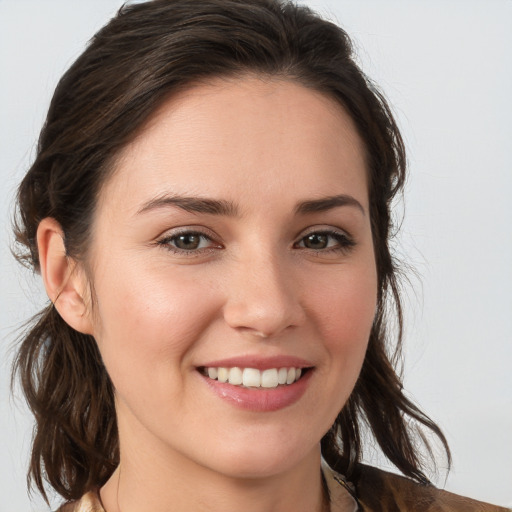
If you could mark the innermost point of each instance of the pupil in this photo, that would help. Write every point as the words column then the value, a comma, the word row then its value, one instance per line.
column 188, row 242
column 316, row 241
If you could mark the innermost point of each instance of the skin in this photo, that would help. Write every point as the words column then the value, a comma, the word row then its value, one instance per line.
column 254, row 286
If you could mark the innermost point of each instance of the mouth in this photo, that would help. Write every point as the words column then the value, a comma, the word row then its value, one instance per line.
column 254, row 378
column 258, row 384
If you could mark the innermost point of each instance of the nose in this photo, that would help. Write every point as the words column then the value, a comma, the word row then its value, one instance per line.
column 263, row 297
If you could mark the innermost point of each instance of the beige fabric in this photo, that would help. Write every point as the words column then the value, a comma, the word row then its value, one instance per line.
column 89, row 502
column 340, row 498
column 376, row 491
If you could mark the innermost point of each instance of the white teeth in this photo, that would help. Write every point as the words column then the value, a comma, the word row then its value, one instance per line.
column 269, row 378
column 253, row 378
column 235, row 376
column 291, row 376
column 222, row 374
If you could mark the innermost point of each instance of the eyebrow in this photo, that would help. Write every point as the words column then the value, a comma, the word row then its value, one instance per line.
column 226, row 208
column 328, row 203
column 193, row 204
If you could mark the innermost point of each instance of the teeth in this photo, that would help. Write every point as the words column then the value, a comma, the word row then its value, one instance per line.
column 235, row 376
column 269, row 378
column 253, row 378
column 222, row 374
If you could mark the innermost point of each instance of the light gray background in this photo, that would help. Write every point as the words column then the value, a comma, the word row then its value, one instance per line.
column 446, row 67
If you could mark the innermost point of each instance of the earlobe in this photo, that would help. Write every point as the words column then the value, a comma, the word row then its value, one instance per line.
column 63, row 278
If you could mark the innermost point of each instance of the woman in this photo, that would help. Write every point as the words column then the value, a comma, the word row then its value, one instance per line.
column 209, row 211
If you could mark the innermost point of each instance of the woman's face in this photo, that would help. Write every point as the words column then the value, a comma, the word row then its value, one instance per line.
column 233, row 242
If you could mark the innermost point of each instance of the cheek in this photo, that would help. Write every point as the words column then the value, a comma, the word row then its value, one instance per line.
column 347, row 305
column 148, row 323
column 342, row 306
column 344, row 309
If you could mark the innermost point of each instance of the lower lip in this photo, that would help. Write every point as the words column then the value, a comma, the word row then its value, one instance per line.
column 260, row 399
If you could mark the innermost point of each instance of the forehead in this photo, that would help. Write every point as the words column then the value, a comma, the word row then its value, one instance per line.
column 232, row 137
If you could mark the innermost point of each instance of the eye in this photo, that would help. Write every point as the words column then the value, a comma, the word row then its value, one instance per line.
column 325, row 240
column 188, row 242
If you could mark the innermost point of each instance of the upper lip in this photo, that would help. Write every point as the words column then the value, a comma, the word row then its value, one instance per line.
column 259, row 362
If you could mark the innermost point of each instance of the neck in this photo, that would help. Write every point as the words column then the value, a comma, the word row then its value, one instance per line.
column 141, row 488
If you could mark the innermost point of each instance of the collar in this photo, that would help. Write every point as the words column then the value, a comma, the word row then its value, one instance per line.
column 342, row 494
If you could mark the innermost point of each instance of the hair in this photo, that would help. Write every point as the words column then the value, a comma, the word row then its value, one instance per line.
column 145, row 54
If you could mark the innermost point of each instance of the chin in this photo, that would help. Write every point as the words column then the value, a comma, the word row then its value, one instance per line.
column 262, row 459
column 249, row 469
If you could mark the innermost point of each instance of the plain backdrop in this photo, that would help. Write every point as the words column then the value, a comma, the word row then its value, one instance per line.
column 446, row 67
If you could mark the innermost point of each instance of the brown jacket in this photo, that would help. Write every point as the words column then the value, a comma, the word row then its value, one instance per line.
column 373, row 491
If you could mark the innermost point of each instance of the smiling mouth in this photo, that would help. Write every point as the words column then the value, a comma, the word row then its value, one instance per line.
column 254, row 378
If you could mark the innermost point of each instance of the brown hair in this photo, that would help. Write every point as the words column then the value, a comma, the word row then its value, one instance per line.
column 146, row 53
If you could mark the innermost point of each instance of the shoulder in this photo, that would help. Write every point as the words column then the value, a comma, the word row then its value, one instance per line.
column 89, row 502
column 380, row 491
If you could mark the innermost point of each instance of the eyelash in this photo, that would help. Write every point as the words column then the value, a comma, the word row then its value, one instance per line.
column 168, row 240
column 344, row 243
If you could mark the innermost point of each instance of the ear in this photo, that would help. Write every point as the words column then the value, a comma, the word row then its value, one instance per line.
column 64, row 279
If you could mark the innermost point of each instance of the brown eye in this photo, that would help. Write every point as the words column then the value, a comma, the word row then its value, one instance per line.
column 187, row 241
column 316, row 241
column 326, row 241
